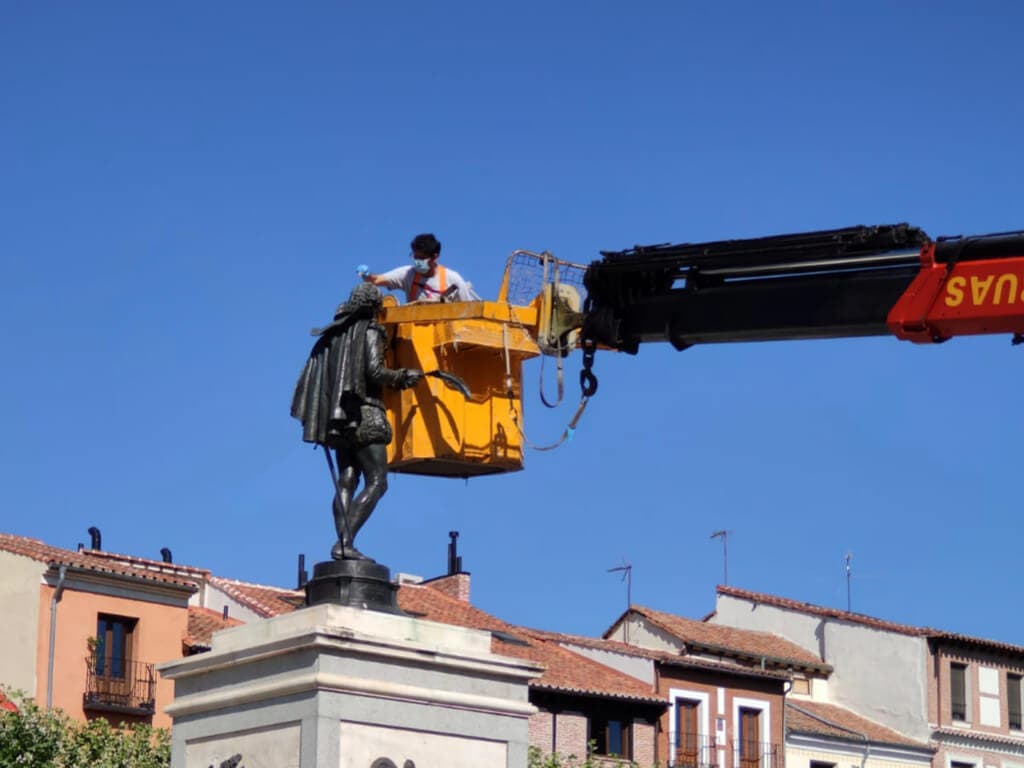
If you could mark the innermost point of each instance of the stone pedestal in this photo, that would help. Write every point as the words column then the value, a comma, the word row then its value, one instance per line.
column 331, row 686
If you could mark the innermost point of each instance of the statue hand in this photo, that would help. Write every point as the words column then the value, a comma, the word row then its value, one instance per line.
column 411, row 377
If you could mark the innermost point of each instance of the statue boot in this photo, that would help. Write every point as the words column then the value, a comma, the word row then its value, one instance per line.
column 344, row 548
column 357, row 515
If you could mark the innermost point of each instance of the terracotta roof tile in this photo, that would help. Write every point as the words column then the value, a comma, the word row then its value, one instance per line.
column 88, row 560
column 974, row 735
column 564, row 670
column 263, row 600
column 149, row 564
column 664, row 657
column 598, row 643
column 816, row 718
column 699, row 635
column 817, row 610
column 956, row 637
column 869, row 621
column 202, row 623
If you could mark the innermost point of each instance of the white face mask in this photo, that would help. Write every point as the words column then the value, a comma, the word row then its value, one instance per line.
column 422, row 266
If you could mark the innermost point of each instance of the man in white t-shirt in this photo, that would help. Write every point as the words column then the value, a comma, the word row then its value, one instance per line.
column 425, row 280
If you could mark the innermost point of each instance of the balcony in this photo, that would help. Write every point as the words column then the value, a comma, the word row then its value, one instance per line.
column 756, row 754
column 119, row 685
column 699, row 751
column 693, row 750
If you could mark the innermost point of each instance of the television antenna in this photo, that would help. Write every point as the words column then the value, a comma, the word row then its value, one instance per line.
column 724, row 536
column 627, row 576
column 849, row 576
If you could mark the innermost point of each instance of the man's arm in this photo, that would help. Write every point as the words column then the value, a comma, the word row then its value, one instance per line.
column 393, row 279
column 465, row 291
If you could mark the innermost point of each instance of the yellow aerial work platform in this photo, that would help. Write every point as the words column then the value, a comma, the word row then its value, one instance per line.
column 437, row 430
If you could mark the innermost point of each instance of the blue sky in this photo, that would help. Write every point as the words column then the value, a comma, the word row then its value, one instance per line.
column 186, row 189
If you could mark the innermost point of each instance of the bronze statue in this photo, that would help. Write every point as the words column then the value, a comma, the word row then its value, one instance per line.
column 338, row 400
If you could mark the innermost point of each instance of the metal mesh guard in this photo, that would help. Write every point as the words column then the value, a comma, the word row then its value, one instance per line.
column 527, row 272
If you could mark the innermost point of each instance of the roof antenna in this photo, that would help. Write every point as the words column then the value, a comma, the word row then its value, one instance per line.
column 724, row 536
column 849, row 576
column 627, row 576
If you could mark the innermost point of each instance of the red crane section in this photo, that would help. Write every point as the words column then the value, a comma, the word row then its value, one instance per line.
column 965, row 286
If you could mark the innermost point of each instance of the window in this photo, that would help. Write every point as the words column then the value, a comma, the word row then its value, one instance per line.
column 802, row 686
column 821, row 764
column 687, row 746
column 691, row 740
column 750, row 737
column 611, row 737
column 114, row 646
column 958, row 691
column 1013, row 700
column 116, row 680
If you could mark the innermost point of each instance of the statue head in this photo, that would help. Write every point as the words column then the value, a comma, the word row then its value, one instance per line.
column 364, row 301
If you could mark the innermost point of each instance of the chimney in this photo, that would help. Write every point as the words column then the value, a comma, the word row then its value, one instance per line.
column 96, row 540
column 165, row 554
column 454, row 561
column 456, row 582
column 303, row 576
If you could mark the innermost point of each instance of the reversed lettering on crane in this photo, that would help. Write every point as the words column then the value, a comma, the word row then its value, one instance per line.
column 990, row 290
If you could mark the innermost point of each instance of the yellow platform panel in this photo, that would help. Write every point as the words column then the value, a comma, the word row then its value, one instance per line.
column 437, row 430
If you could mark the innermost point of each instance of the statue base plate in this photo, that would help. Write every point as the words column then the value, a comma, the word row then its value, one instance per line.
column 355, row 583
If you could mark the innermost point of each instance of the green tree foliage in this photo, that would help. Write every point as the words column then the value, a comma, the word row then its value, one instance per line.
column 537, row 759
column 34, row 737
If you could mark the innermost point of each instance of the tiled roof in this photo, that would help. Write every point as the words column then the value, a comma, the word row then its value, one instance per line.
column 88, row 560
column 974, row 735
column 597, row 643
column 956, row 637
column 202, row 623
column 816, row 718
column 817, row 610
column 717, row 638
column 869, row 621
column 665, row 657
column 263, row 600
column 564, row 670
column 149, row 564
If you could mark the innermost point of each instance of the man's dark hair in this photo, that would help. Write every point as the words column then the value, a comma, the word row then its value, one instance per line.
column 427, row 244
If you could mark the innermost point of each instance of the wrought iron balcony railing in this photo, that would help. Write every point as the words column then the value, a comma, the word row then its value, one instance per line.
column 693, row 750
column 700, row 751
column 757, row 754
column 119, row 685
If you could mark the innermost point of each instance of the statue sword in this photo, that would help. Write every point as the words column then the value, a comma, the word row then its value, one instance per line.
column 337, row 491
column 452, row 381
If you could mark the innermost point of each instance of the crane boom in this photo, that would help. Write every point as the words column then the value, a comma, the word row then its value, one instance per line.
column 856, row 281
